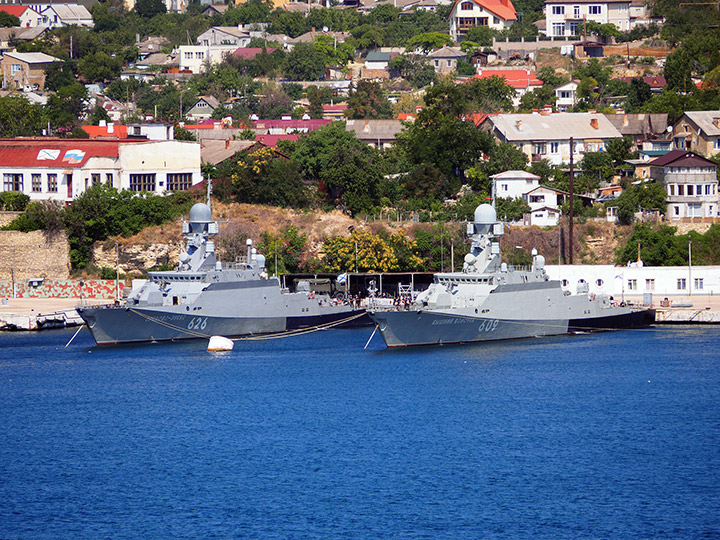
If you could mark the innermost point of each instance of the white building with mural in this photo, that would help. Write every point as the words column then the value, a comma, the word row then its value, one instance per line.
column 62, row 169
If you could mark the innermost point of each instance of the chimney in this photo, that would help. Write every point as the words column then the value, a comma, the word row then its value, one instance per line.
column 594, row 123
column 716, row 122
column 625, row 120
column 518, row 125
column 366, row 129
column 227, row 143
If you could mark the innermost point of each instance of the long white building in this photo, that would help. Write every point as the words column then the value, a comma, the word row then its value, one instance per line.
column 62, row 169
column 634, row 281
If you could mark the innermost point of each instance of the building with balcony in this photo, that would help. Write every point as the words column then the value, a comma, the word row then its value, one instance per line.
column 464, row 14
column 690, row 182
column 563, row 17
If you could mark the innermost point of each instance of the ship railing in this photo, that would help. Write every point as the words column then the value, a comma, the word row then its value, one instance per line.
column 519, row 268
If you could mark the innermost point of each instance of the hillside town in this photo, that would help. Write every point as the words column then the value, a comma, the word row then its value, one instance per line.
column 402, row 111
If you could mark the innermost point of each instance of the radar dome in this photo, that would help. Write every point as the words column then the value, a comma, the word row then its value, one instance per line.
column 485, row 214
column 200, row 213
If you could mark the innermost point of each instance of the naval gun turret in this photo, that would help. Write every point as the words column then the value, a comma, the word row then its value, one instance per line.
column 199, row 254
column 484, row 253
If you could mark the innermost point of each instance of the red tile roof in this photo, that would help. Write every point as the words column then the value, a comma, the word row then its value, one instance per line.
column 653, row 82
column 96, row 132
column 683, row 158
column 311, row 124
column 517, row 78
column 502, row 8
column 248, row 53
column 13, row 10
column 60, row 153
column 272, row 140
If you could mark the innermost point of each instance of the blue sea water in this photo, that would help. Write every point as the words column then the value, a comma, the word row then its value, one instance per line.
column 613, row 435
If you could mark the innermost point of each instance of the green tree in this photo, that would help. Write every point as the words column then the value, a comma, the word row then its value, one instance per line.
column 425, row 141
column 598, row 166
column 304, row 63
column 99, row 67
column 7, row 20
column 511, row 209
column 19, row 117
column 65, row 109
column 315, row 97
column 345, row 168
column 492, row 94
column 289, row 245
column 659, row 246
column 368, row 100
column 482, row 35
column 149, row 8
column 428, row 41
column 619, row 150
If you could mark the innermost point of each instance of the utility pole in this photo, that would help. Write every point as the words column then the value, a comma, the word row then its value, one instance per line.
column 572, row 196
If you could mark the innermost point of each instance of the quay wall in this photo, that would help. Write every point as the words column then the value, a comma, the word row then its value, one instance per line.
column 33, row 255
column 102, row 289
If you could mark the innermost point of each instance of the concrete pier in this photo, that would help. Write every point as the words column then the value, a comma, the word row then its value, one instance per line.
column 41, row 313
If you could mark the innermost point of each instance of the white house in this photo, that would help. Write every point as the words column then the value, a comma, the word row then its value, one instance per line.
column 59, row 15
column 62, row 169
column 514, row 184
column 28, row 16
column 224, row 35
column 547, row 136
column 196, row 57
column 545, row 205
column 464, row 14
column 566, row 96
column 691, row 184
column 562, row 17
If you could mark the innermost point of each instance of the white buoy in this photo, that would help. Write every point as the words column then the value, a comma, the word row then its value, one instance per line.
column 220, row 344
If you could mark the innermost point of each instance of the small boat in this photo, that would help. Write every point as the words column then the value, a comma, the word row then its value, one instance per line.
column 490, row 300
column 204, row 297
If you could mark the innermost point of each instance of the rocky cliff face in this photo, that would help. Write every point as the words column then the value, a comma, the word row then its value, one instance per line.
column 136, row 258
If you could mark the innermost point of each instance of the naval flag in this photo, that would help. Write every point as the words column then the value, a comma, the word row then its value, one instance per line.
column 342, row 278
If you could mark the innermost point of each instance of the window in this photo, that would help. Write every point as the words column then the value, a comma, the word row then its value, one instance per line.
column 437, row 63
column 52, row 183
column 36, row 180
column 179, row 181
column 623, row 7
column 565, row 94
column 142, row 182
column 554, row 147
column 698, row 283
column 558, row 10
column 676, row 210
column 188, row 55
column 595, row 10
column 576, row 12
column 599, row 282
column 558, row 29
column 649, row 284
column 504, row 187
column 449, row 63
column 564, row 282
column 573, row 27
column 707, row 189
column 95, row 178
column 671, row 189
column 109, row 179
column 717, row 143
column 537, row 198
column 698, row 190
column 690, row 189
column 466, row 6
column 200, row 55
column 15, row 68
column 13, row 182
column 539, row 149
column 681, row 284
column 632, row 284
column 496, row 20
column 681, row 190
